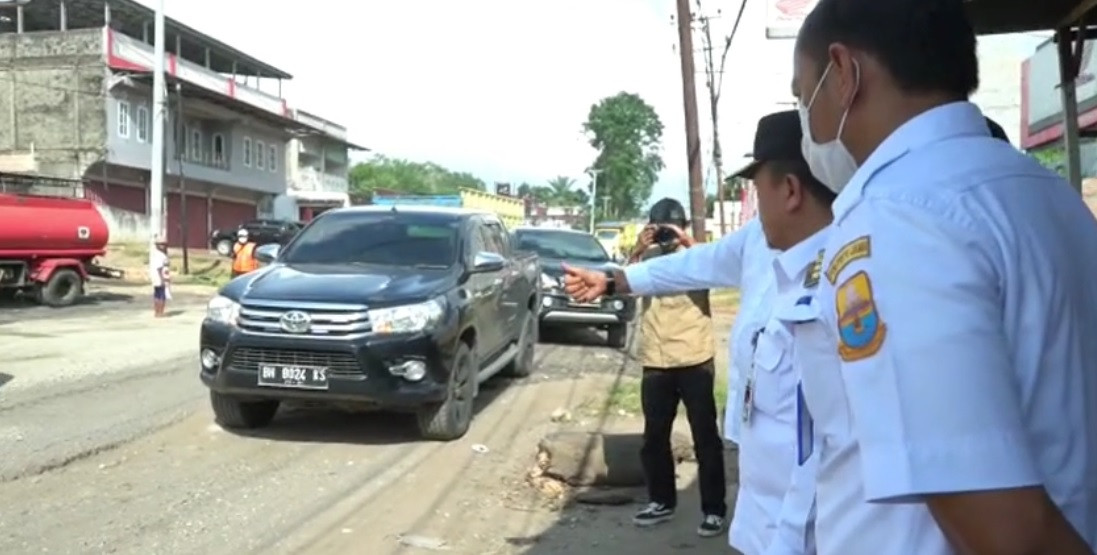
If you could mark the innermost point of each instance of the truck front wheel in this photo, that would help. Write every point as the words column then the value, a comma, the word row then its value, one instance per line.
column 617, row 336
column 230, row 412
column 450, row 419
column 63, row 288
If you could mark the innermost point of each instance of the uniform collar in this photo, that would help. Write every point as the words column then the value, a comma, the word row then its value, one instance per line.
column 949, row 120
column 792, row 263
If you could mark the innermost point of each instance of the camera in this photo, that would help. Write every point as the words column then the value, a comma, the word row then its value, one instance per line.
column 664, row 234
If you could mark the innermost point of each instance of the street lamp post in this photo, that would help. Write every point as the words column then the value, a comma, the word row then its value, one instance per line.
column 593, row 173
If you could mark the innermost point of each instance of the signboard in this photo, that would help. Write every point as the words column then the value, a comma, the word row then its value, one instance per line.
column 784, row 17
column 503, row 189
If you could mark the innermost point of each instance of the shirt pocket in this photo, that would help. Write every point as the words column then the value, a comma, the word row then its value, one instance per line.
column 774, row 388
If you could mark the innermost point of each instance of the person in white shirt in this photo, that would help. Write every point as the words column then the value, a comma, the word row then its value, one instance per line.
column 958, row 288
column 774, row 505
column 159, row 275
column 794, row 209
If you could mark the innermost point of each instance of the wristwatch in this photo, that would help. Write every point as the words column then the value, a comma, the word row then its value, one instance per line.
column 611, row 284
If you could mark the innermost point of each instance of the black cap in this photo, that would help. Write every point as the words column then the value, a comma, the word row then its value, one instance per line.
column 996, row 130
column 667, row 211
column 776, row 138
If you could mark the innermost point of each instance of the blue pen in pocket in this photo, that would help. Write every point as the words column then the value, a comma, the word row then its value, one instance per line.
column 805, row 427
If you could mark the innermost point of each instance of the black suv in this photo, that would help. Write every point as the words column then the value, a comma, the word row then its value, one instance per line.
column 395, row 308
column 261, row 232
column 554, row 247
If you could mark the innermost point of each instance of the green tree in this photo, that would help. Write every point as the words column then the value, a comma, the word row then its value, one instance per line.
column 405, row 176
column 1053, row 158
column 627, row 133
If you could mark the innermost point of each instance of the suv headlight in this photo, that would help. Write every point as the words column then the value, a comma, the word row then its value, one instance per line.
column 549, row 282
column 223, row 310
column 409, row 318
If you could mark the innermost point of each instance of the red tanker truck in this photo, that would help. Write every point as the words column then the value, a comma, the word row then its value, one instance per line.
column 48, row 247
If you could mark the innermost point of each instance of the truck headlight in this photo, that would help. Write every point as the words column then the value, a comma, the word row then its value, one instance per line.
column 223, row 310
column 409, row 318
column 549, row 282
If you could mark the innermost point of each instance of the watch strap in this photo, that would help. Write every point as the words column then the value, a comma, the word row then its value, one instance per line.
column 611, row 284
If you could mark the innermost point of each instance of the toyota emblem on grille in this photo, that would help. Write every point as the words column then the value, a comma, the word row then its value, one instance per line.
column 295, row 321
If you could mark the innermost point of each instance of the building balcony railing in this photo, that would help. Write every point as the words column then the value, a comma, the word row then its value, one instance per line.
column 312, row 180
column 128, row 53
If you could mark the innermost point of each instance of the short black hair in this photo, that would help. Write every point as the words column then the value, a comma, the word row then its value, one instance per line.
column 800, row 169
column 668, row 211
column 928, row 46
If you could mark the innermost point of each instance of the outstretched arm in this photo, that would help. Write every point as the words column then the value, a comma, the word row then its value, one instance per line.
column 705, row 266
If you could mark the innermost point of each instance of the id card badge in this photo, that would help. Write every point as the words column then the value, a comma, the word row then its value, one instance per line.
column 805, row 428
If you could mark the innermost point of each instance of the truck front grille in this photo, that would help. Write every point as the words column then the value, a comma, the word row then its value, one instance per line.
column 249, row 359
column 324, row 320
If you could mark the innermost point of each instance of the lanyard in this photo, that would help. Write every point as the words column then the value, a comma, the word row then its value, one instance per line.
column 748, row 389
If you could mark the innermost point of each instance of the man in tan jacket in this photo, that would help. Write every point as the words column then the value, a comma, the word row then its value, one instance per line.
column 677, row 355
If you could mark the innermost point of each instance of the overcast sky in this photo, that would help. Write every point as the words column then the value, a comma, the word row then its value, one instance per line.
column 498, row 88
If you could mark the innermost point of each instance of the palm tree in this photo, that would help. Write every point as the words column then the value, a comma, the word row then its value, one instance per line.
column 562, row 189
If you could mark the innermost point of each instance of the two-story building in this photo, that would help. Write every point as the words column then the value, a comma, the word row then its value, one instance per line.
column 77, row 104
column 317, row 169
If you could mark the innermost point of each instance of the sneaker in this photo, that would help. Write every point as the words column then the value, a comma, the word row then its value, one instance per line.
column 711, row 526
column 653, row 514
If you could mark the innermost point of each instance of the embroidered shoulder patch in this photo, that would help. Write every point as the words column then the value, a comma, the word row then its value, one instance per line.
column 856, row 249
column 811, row 280
column 861, row 332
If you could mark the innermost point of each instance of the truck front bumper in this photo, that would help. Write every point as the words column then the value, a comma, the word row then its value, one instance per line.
column 362, row 371
column 558, row 309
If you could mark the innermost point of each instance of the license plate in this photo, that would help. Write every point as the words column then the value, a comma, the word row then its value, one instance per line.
column 593, row 304
column 296, row 377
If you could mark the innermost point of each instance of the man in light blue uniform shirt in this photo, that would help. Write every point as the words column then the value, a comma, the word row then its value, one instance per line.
column 959, row 288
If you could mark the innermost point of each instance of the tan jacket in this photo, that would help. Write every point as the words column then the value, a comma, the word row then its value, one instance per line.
column 677, row 328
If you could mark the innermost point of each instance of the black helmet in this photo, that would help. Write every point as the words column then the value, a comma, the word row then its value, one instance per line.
column 668, row 211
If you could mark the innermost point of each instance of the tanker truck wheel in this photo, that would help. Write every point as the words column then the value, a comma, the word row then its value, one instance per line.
column 64, row 287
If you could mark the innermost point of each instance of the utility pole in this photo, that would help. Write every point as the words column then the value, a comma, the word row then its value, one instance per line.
column 714, row 79
column 693, row 137
column 593, row 172
column 159, row 112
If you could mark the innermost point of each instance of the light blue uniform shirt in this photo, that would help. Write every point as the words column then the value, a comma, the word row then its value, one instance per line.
column 960, row 285
column 741, row 259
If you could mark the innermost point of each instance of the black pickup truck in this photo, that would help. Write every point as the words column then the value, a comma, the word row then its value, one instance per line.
column 368, row 307
column 556, row 247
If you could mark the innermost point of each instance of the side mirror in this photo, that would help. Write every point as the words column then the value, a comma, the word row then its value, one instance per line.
column 267, row 253
column 487, row 262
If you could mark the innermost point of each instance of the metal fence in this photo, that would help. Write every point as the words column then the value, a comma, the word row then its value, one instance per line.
column 22, row 184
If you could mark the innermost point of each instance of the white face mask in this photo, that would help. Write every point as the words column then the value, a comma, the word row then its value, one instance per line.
column 830, row 162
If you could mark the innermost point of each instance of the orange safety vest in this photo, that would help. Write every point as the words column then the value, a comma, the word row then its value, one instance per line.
column 243, row 260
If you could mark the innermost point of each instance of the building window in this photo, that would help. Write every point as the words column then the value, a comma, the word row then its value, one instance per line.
column 123, row 119
column 247, row 151
column 259, row 154
column 194, row 146
column 272, row 155
column 142, row 124
column 219, row 150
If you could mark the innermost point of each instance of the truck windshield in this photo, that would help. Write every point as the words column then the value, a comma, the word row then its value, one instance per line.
column 566, row 245
column 606, row 234
column 392, row 239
